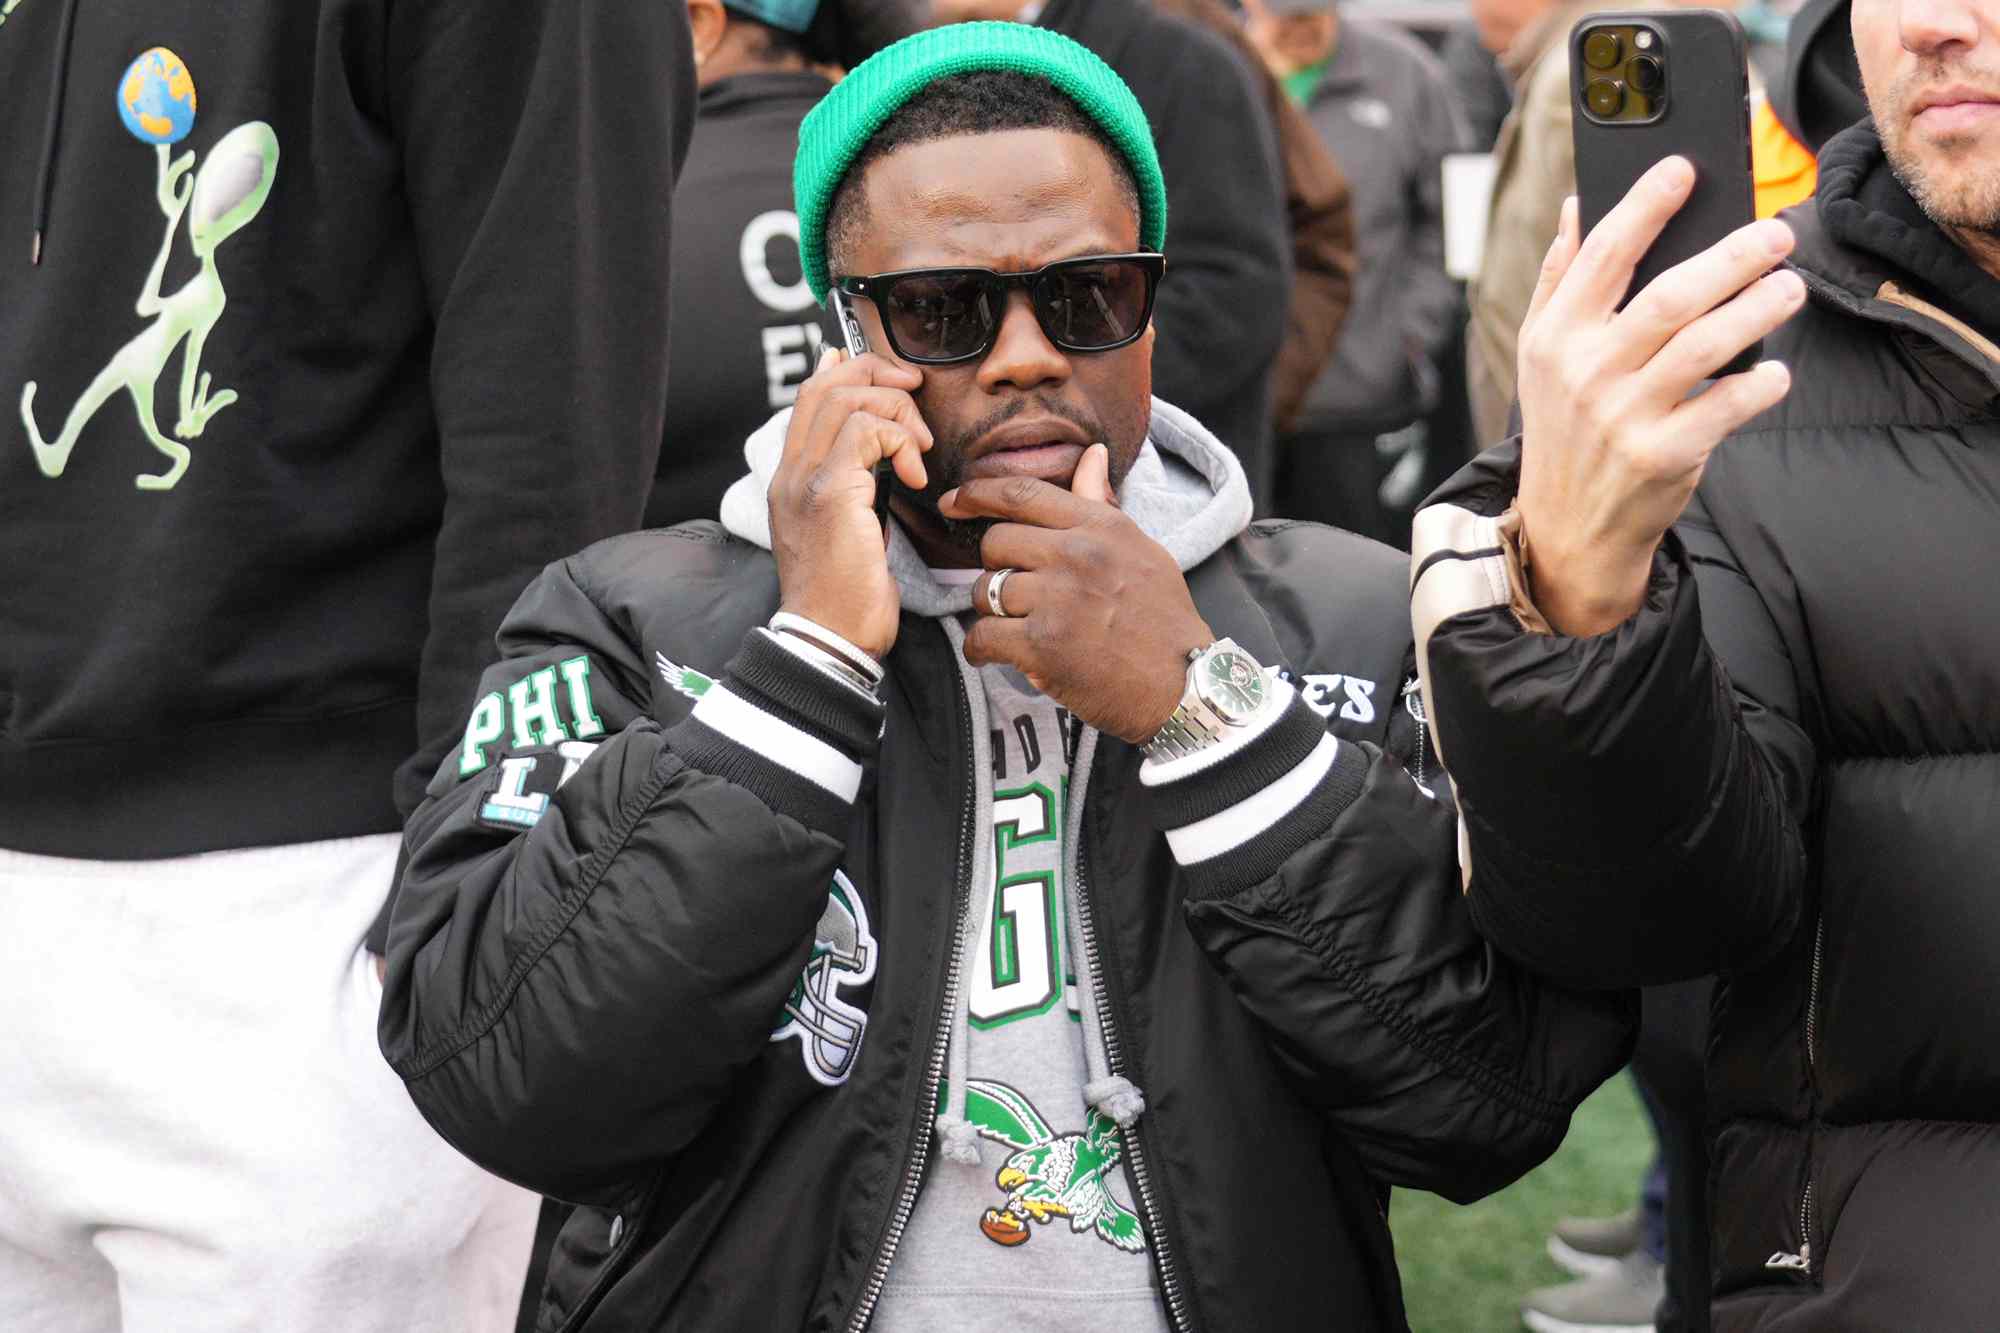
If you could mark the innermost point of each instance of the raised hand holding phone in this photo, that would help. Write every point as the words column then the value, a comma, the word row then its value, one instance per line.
column 853, row 415
column 1658, row 280
column 1649, row 85
column 1612, row 443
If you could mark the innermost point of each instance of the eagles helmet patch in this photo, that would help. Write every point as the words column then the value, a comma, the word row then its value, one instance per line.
column 828, row 1026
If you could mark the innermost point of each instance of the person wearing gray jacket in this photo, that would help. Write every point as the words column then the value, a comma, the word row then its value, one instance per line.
column 1383, row 105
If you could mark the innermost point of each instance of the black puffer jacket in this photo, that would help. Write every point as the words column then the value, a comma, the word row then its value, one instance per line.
column 1786, row 769
column 604, row 919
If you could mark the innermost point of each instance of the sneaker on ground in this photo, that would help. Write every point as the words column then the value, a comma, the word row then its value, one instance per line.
column 1620, row 1301
column 1587, row 1245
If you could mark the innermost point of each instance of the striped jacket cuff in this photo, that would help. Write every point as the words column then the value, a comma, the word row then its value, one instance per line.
column 1236, row 812
column 792, row 734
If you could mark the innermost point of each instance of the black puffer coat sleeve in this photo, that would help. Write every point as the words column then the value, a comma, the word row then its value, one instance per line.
column 1341, row 927
column 600, row 916
column 1633, row 802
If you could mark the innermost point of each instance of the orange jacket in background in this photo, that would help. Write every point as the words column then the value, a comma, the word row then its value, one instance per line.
column 1782, row 169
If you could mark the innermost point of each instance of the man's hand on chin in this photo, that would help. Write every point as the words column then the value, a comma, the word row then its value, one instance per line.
column 1098, row 616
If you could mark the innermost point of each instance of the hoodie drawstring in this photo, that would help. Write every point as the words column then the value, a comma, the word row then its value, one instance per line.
column 52, row 128
column 959, row 1138
column 1113, row 1094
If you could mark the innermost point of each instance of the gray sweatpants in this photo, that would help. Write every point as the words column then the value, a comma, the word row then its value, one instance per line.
column 197, row 1131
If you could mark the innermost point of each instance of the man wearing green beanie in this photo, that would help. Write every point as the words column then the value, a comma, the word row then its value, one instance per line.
column 1030, row 909
column 1224, row 320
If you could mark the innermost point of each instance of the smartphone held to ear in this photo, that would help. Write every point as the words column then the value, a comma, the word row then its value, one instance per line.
column 851, row 335
column 1646, row 85
column 856, row 342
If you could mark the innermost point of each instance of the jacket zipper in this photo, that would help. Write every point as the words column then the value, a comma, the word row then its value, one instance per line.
column 1413, row 704
column 1114, row 1055
column 1812, row 995
column 913, row 1175
column 1802, row 1261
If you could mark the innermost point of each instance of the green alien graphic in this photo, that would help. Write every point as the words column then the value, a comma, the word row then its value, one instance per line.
column 225, row 194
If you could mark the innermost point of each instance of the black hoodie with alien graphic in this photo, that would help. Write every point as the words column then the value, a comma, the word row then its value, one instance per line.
column 324, row 325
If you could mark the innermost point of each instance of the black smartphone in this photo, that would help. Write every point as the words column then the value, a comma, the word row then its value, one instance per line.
column 856, row 341
column 1649, row 84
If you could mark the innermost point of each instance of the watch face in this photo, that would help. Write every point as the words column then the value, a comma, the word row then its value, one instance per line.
column 1232, row 684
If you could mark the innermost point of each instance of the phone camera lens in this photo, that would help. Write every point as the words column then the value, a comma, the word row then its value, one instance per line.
column 1604, row 97
column 1602, row 49
column 1648, row 75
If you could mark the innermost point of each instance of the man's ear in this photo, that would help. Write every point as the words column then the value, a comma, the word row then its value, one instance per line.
column 709, row 22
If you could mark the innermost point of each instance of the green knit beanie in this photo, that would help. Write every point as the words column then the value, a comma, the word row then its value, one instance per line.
column 835, row 131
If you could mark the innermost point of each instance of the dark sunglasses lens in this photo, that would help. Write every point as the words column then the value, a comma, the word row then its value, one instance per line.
column 940, row 316
column 1098, row 303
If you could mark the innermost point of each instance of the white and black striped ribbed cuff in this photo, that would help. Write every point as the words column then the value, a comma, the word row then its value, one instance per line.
column 1237, row 811
column 786, row 730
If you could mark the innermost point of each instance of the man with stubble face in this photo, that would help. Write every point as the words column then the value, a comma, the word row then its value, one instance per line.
column 1036, row 911
column 1735, row 709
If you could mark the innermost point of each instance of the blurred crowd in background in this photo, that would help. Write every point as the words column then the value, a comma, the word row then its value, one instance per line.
column 1361, row 195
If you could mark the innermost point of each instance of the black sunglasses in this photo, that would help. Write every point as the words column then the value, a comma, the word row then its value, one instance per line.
column 936, row 316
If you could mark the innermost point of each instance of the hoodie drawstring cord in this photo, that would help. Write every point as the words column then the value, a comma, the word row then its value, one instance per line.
column 958, row 1136
column 52, row 127
column 1116, row 1096
column 1113, row 1094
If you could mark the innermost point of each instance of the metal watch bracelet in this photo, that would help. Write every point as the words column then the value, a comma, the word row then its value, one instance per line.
column 1179, row 735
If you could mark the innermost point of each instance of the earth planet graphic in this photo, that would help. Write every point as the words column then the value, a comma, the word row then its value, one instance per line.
column 156, row 97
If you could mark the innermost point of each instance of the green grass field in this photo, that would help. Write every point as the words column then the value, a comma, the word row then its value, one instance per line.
column 1465, row 1269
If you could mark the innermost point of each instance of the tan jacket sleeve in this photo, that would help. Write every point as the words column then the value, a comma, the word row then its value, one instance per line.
column 1537, row 172
column 1323, row 260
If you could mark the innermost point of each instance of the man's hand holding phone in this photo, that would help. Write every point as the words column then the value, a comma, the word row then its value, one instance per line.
column 1612, row 445
column 833, row 569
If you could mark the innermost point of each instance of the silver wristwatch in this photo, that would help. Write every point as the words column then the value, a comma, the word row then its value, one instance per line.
column 1225, row 688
